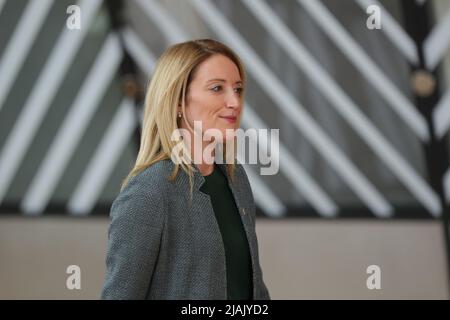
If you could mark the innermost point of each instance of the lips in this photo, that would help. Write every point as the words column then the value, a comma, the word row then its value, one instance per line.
column 230, row 119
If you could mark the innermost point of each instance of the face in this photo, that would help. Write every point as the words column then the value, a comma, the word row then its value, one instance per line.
column 214, row 96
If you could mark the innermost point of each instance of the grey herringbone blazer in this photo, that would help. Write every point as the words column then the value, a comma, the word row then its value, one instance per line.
column 161, row 246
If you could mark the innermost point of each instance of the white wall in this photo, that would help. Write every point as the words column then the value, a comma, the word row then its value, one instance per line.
column 301, row 259
column 316, row 259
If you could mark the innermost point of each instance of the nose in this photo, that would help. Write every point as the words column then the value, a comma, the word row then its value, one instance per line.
column 233, row 100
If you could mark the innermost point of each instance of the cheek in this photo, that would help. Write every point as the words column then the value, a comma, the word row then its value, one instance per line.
column 203, row 114
column 206, row 111
column 195, row 111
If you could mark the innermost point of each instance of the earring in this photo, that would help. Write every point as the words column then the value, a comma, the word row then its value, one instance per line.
column 179, row 114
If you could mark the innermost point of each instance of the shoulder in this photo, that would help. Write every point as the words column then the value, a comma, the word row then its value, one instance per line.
column 152, row 179
column 148, row 187
column 142, row 202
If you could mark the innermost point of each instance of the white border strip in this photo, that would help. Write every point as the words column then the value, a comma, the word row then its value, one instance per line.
column 37, row 104
column 20, row 43
column 345, row 106
column 356, row 55
column 292, row 170
column 73, row 127
column 2, row 4
column 115, row 139
column 294, row 110
column 137, row 49
column 264, row 196
column 159, row 15
column 447, row 185
column 441, row 115
column 104, row 160
column 394, row 31
column 437, row 42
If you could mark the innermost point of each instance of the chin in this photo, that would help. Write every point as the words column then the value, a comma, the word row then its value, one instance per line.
column 231, row 131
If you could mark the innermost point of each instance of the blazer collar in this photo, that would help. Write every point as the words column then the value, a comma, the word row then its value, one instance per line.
column 182, row 178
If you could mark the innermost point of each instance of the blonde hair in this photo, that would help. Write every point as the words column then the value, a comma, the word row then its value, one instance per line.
column 167, row 89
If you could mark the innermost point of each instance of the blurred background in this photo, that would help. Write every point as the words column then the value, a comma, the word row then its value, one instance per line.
column 358, row 88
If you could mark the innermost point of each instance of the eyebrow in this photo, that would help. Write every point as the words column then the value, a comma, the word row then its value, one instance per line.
column 221, row 80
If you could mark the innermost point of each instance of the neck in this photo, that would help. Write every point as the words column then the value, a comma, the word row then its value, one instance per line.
column 202, row 152
column 205, row 169
column 203, row 156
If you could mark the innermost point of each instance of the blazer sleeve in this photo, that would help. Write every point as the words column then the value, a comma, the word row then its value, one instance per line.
column 134, row 235
column 265, row 295
column 264, row 292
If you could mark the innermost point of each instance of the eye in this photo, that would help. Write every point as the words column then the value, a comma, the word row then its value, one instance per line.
column 239, row 90
column 214, row 88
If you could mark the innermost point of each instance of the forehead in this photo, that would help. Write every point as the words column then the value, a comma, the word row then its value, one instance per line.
column 217, row 66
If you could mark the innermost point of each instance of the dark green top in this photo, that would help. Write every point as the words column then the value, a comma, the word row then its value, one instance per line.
column 237, row 253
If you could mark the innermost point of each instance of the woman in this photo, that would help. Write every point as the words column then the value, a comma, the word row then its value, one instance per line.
column 181, row 228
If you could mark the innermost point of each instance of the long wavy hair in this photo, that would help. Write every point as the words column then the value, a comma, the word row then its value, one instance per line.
column 166, row 91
